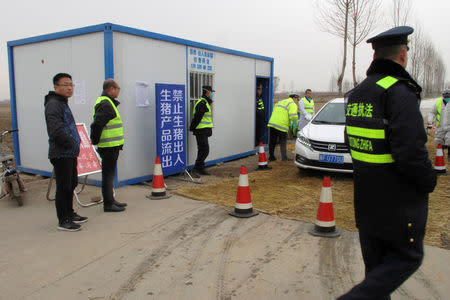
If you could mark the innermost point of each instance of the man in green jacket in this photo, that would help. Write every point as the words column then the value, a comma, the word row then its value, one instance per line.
column 283, row 112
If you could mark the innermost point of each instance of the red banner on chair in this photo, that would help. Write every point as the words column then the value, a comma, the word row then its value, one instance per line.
column 88, row 162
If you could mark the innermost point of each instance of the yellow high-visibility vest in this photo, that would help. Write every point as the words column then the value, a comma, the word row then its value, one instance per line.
column 112, row 134
column 309, row 105
column 206, row 121
column 283, row 112
column 438, row 105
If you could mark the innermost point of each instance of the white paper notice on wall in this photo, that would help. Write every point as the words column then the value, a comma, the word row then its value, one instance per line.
column 79, row 91
column 142, row 98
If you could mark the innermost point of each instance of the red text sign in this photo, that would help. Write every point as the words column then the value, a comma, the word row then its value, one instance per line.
column 87, row 159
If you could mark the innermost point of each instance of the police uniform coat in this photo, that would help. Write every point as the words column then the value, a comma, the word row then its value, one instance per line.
column 391, row 199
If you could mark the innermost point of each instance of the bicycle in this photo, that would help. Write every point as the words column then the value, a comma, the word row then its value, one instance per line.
column 12, row 184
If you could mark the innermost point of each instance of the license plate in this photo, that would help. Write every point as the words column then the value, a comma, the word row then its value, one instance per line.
column 330, row 158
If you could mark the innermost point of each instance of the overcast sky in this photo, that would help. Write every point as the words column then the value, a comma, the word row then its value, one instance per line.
column 304, row 56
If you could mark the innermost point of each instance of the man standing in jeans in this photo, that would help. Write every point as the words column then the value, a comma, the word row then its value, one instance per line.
column 64, row 147
column 107, row 134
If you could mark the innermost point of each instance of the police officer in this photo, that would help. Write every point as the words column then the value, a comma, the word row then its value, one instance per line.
column 260, row 116
column 201, row 126
column 284, row 111
column 107, row 134
column 306, row 106
column 392, row 172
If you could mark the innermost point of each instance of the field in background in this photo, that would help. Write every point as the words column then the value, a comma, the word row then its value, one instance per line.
column 5, row 124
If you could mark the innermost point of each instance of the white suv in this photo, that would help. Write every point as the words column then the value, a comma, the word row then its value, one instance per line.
column 320, row 144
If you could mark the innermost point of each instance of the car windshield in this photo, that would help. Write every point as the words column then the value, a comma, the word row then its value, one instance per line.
column 332, row 113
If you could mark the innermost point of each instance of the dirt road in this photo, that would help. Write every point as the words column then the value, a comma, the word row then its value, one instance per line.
column 181, row 249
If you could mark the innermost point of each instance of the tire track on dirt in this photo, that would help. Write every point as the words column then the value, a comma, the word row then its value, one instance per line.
column 161, row 224
column 334, row 261
column 233, row 237
column 258, row 265
column 210, row 217
column 427, row 284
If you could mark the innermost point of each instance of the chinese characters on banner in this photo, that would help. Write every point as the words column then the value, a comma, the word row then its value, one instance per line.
column 201, row 60
column 87, row 162
column 171, row 127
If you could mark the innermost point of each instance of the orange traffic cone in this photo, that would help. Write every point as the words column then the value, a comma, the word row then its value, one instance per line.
column 243, row 207
column 262, row 160
column 439, row 163
column 158, row 186
column 325, row 225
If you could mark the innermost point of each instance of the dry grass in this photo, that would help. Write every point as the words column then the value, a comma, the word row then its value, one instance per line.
column 289, row 193
column 5, row 124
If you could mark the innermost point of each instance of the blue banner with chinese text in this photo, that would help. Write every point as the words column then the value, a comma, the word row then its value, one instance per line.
column 171, row 127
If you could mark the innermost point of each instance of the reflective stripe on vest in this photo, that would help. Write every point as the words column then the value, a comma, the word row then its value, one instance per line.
column 112, row 134
column 283, row 112
column 309, row 105
column 362, row 140
column 438, row 111
column 368, row 139
column 206, row 121
column 260, row 104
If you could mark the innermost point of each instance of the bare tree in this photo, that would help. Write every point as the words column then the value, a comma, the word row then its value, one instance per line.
column 363, row 19
column 425, row 64
column 346, row 86
column 400, row 11
column 333, row 18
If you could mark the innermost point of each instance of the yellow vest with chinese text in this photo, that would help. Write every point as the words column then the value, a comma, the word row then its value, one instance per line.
column 366, row 123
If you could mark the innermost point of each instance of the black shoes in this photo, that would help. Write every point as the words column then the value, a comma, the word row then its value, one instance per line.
column 77, row 219
column 68, row 226
column 113, row 208
column 197, row 172
column 120, row 204
column 201, row 172
column 272, row 158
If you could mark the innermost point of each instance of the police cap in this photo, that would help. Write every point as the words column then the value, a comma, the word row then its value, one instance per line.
column 208, row 88
column 394, row 36
column 446, row 92
column 294, row 96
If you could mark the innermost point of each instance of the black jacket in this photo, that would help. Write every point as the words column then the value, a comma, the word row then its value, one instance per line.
column 260, row 113
column 391, row 200
column 63, row 138
column 200, row 110
column 104, row 112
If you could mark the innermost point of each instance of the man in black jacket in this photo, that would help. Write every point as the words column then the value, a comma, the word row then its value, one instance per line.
column 64, row 147
column 392, row 172
column 107, row 134
column 201, row 126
